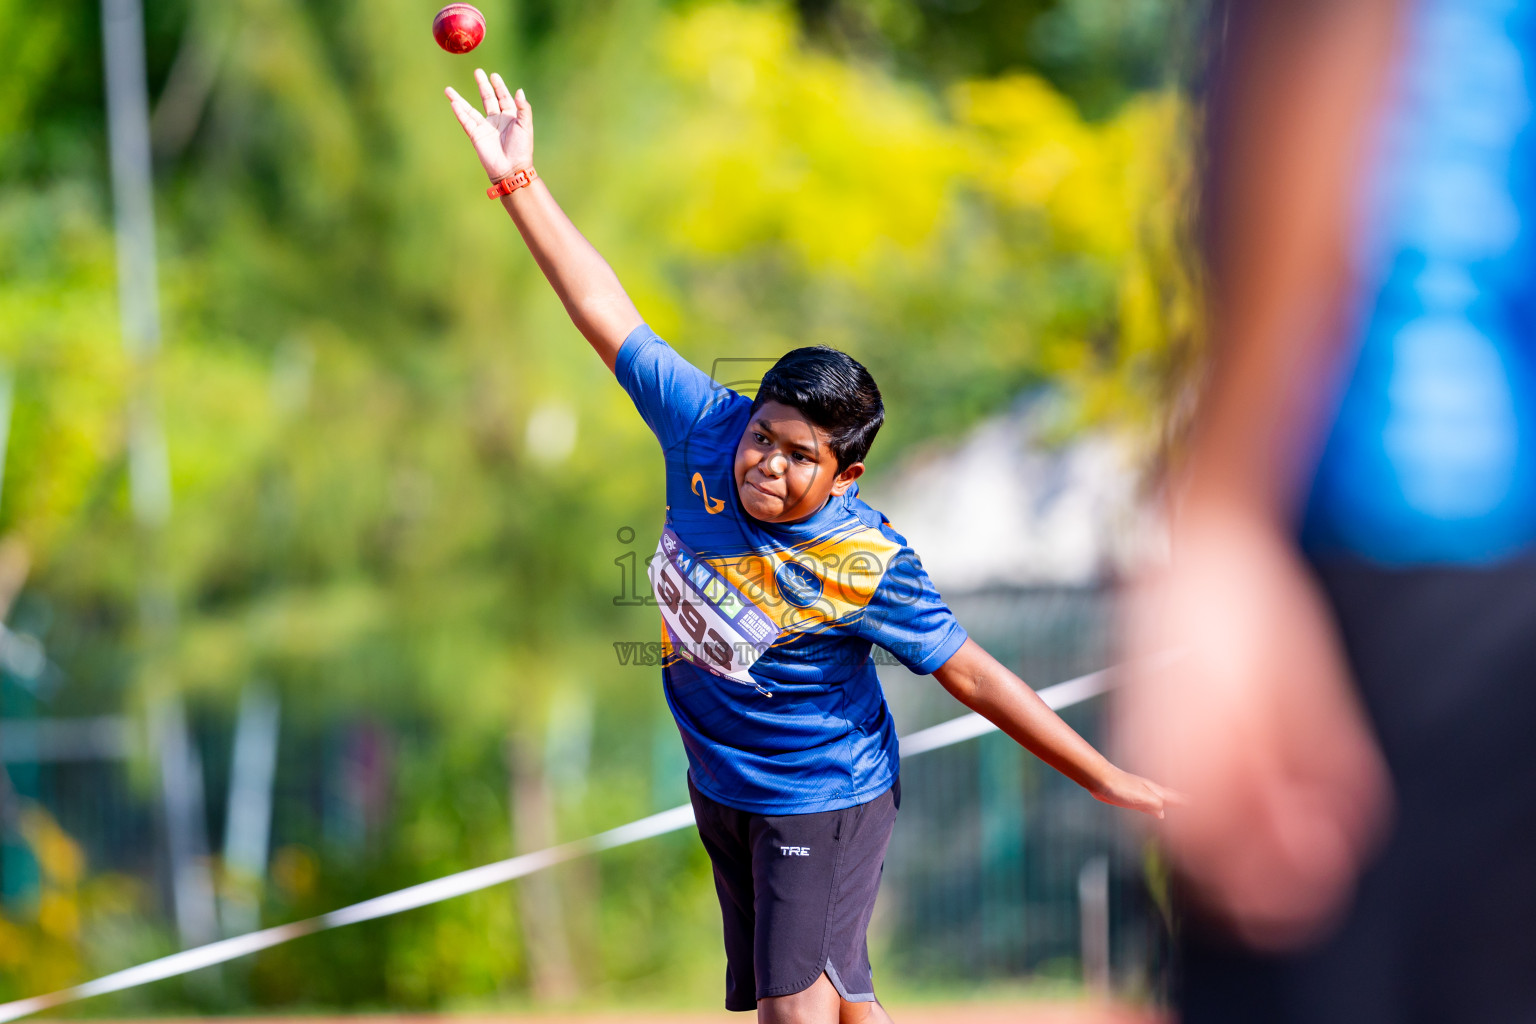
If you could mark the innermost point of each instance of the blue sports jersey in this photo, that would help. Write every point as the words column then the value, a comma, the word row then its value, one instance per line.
column 1432, row 456
column 768, row 626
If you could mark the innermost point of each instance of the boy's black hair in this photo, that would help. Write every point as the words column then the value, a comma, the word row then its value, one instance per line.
column 835, row 393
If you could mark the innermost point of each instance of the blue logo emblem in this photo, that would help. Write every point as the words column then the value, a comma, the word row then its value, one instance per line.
column 799, row 585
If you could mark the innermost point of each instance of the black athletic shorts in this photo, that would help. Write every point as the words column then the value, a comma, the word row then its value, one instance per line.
column 1443, row 924
column 796, row 892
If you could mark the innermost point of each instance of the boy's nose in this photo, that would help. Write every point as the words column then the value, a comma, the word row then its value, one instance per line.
column 775, row 465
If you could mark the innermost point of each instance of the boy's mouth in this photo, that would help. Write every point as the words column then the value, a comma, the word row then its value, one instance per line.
column 760, row 488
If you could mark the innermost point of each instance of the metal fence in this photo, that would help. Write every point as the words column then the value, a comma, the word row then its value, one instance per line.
column 1000, row 867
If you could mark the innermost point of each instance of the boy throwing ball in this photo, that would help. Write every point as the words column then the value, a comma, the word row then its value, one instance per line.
column 773, row 580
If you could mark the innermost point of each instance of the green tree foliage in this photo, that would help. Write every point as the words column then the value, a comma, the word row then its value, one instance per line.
column 401, row 480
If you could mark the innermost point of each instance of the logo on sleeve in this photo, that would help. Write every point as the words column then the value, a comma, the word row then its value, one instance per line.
column 799, row 585
column 795, row 851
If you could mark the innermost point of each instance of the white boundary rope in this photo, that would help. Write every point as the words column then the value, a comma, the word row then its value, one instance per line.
column 945, row 734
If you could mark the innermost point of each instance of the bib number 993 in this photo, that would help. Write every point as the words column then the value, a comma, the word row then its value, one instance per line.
column 706, row 640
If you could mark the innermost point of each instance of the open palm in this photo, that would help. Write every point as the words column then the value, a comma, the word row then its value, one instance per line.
column 503, row 135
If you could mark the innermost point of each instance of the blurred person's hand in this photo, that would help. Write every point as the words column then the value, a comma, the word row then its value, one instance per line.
column 503, row 135
column 1258, row 723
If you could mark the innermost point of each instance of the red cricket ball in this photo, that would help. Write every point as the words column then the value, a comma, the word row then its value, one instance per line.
column 458, row 28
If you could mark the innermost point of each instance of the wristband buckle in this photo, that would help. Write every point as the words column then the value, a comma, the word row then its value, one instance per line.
column 507, row 184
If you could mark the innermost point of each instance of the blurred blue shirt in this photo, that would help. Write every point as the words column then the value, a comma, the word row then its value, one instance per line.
column 1430, row 459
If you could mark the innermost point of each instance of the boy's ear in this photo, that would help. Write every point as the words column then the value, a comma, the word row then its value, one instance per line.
column 846, row 478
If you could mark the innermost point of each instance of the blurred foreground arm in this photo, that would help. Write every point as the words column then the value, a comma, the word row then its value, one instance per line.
column 981, row 683
column 1259, row 722
column 503, row 138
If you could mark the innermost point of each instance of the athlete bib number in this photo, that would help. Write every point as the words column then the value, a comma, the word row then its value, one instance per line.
column 709, row 622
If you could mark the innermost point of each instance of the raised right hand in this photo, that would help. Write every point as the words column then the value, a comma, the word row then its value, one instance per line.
column 503, row 135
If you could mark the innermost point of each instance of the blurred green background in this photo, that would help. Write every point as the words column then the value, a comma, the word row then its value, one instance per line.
column 401, row 483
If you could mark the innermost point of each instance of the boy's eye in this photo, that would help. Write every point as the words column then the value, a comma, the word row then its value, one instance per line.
column 759, row 438
column 802, row 457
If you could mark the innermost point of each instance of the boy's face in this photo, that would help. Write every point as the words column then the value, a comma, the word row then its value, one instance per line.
column 785, row 469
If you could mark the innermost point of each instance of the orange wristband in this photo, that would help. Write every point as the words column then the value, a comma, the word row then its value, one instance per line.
column 511, row 183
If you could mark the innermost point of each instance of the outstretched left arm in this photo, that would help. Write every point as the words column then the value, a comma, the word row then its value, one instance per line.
column 981, row 683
